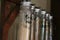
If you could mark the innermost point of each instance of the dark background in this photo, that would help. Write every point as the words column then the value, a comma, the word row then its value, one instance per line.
column 55, row 9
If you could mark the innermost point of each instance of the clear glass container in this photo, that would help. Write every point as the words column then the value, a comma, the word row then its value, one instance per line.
column 37, row 22
column 47, row 27
column 43, row 14
column 51, row 27
column 32, row 22
column 24, row 21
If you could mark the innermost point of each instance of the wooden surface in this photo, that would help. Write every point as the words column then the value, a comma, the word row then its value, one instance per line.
column 9, row 15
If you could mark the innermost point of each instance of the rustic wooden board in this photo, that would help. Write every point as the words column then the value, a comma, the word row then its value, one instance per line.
column 10, row 18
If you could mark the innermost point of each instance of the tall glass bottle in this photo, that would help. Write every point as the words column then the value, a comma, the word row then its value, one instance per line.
column 24, row 20
column 32, row 22
column 47, row 27
column 50, row 20
column 37, row 22
column 43, row 14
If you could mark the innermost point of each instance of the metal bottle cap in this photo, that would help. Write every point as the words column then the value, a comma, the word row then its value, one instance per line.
column 43, row 12
column 37, row 9
column 47, row 16
column 32, row 6
column 26, row 2
column 51, row 17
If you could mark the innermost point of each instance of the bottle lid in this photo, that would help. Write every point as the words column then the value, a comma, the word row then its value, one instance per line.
column 51, row 17
column 26, row 3
column 43, row 12
column 32, row 6
column 37, row 9
column 47, row 15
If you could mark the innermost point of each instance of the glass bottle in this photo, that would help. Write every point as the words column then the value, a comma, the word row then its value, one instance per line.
column 37, row 22
column 24, row 20
column 47, row 27
column 32, row 22
column 50, row 20
column 43, row 14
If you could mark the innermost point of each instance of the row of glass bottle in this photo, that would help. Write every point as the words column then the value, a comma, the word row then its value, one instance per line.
column 34, row 23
